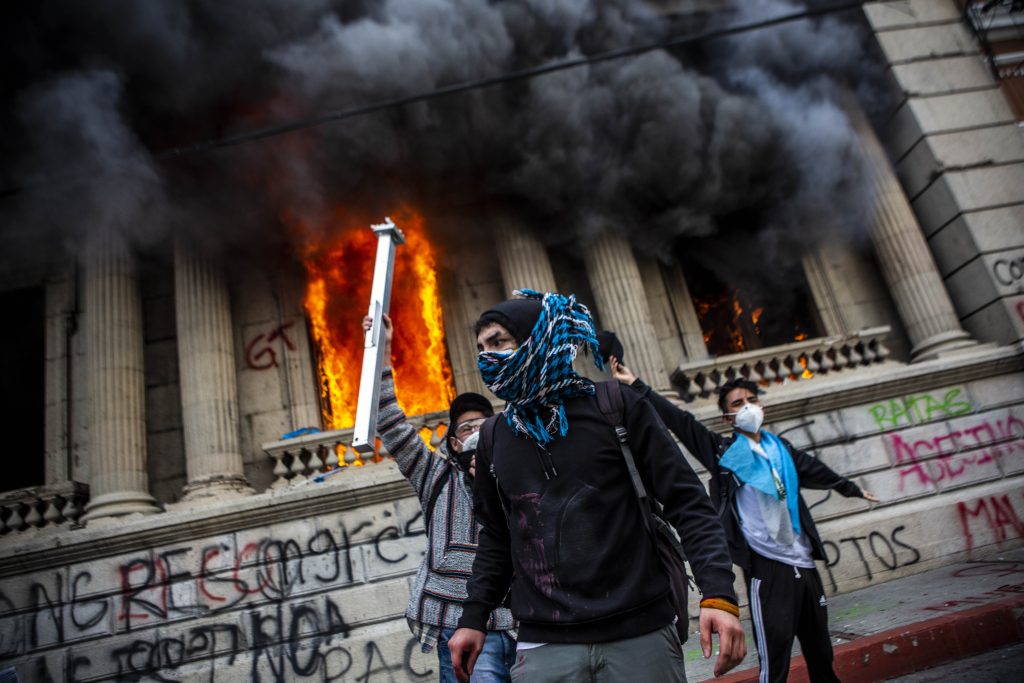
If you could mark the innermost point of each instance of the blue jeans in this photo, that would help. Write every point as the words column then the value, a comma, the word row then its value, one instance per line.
column 493, row 664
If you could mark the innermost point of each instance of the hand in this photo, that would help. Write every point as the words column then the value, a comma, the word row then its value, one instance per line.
column 465, row 646
column 867, row 495
column 732, row 644
column 620, row 371
column 389, row 331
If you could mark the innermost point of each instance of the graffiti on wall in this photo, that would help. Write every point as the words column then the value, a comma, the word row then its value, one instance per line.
column 919, row 408
column 279, row 607
column 870, row 553
column 956, row 453
column 260, row 351
column 995, row 516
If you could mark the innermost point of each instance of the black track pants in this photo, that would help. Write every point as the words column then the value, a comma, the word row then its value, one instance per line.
column 787, row 601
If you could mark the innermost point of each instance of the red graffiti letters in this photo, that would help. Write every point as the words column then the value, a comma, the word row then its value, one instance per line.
column 941, row 458
column 998, row 515
column 260, row 353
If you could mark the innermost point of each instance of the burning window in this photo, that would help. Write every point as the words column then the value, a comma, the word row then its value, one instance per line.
column 744, row 304
column 339, row 267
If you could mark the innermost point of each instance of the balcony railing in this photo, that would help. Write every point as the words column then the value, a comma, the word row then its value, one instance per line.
column 320, row 457
column 798, row 361
column 41, row 506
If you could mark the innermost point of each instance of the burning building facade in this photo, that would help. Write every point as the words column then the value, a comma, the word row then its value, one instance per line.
column 772, row 205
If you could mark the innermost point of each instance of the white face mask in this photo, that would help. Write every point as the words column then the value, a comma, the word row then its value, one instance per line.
column 469, row 443
column 749, row 418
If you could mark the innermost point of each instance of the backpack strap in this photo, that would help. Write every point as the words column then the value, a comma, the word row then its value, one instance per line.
column 609, row 400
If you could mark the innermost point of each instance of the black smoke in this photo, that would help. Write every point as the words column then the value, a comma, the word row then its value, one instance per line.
column 682, row 143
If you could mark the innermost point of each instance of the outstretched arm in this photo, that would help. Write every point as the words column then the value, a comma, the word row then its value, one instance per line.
column 698, row 439
column 814, row 474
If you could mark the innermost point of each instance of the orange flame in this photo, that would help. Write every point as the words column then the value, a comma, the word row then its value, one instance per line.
column 806, row 374
column 339, row 268
column 735, row 333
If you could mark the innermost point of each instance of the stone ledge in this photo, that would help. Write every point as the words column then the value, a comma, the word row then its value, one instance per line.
column 789, row 402
column 378, row 484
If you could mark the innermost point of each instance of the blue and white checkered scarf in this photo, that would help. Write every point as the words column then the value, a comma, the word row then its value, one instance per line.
column 538, row 378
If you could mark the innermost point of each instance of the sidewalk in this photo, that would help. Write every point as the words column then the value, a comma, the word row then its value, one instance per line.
column 908, row 624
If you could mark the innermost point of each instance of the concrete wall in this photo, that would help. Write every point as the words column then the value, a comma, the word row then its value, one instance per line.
column 947, row 460
column 960, row 157
column 276, row 381
column 947, row 463
column 307, row 598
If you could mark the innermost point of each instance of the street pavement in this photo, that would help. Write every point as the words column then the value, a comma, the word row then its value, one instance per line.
column 944, row 616
column 1005, row 665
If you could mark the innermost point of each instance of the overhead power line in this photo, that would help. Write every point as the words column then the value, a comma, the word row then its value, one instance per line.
column 511, row 77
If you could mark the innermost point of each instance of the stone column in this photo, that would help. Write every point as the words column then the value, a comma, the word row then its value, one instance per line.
column 619, row 295
column 118, row 483
column 826, row 300
column 458, row 332
column 209, row 393
column 662, row 316
column 905, row 260
column 686, row 315
column 523, row 259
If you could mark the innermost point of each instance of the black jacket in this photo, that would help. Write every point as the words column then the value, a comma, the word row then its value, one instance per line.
column 585, row 568
column 708, row 447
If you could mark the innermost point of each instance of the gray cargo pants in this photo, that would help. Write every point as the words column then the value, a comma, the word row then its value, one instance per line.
column 655, row 657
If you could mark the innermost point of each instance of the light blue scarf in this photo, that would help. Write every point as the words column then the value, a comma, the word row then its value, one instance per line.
column 756, row 471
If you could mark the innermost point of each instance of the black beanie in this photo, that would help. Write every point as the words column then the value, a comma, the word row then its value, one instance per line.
column 518, row 316
column 609, row 345
column 463, row 403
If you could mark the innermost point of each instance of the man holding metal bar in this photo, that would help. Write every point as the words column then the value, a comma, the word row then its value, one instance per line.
column 443, row 482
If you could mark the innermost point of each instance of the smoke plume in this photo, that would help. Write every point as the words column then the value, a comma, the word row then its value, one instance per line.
column 748, row 131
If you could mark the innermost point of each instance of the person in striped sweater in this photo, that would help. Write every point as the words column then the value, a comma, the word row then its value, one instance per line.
column 443, row 480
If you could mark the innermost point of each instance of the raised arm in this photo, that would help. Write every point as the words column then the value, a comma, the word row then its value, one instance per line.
column 415, row 460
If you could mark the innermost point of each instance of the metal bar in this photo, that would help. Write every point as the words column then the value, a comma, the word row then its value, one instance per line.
column 365, row 431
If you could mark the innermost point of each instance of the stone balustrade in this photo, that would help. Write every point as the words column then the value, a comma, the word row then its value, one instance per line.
column 40, row 506
column 798, row 361
column 319, row 456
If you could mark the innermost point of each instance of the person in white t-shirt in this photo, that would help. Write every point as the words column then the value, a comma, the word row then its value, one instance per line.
column 756, row 479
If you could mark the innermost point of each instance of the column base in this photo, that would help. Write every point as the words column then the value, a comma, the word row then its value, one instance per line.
column 216, row 488
column 119, row 504
column 941, row 343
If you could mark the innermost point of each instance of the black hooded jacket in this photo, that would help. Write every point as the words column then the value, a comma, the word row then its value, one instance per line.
column 584, row 567
column 708, row 447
